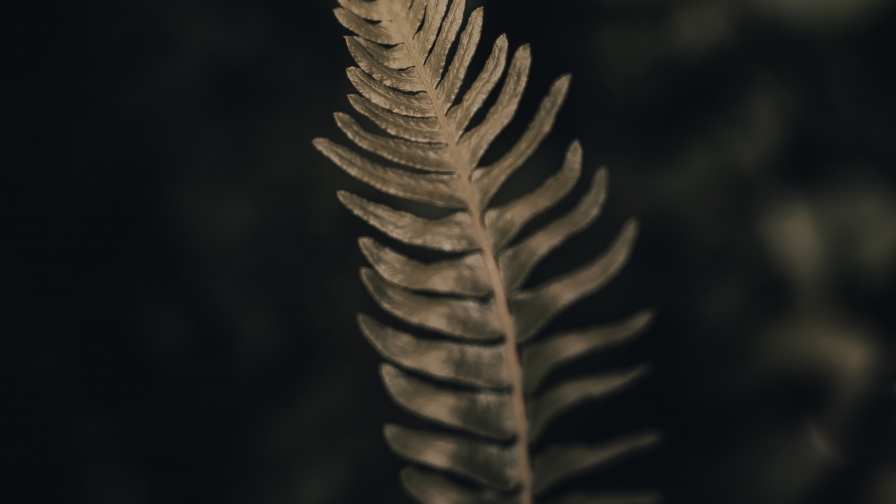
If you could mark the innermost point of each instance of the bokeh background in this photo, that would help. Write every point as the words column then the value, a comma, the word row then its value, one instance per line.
column 182, row 282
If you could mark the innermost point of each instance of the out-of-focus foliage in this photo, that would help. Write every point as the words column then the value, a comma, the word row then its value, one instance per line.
column 184, row 286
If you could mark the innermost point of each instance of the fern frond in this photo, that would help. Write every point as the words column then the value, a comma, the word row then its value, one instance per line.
column 495, row 407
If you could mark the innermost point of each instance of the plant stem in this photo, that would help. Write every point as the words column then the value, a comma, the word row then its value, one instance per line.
column 464, row 172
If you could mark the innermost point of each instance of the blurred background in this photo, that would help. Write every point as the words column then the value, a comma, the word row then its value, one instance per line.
column 182, row 282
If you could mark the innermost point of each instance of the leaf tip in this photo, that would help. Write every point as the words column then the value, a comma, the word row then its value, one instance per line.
column 389, row 374
column 652, row 439
column 631, row 228
column 368, row 276
column 365, row 243
column 349, row 200
column 644, row 318
column 391, row 433
column 364, row 321
column 642, row 370
column 602, row 177
column 345, row 197
column 341, row 14
column 367, row 326
column 368, row 247
column 575, row 150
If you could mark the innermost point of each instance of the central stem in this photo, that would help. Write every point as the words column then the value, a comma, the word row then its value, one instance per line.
column 464, row 172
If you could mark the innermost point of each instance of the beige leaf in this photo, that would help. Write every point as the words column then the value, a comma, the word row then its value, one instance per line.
column 476, row 371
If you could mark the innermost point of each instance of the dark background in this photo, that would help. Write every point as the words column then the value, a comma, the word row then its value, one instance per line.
column 182, row 282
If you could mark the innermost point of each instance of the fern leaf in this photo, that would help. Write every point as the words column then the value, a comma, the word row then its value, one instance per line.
column 495, row 407
column 473, row 365
column 483, row 412
column 542, row 357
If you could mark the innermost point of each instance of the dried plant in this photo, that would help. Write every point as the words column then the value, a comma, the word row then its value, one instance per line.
column 483, row 379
